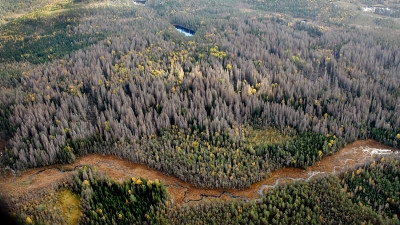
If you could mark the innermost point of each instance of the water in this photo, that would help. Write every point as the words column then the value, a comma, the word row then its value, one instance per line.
column 376, row 9
column 184, row 30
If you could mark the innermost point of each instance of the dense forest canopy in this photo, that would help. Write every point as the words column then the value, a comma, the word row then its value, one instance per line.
column 112, row 77
column 123, row 87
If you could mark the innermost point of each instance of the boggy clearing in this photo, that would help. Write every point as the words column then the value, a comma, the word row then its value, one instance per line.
column 40, row 179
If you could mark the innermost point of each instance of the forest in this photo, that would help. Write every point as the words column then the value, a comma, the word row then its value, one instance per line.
column 115, row 78
column 363, row 195
column 345, row 200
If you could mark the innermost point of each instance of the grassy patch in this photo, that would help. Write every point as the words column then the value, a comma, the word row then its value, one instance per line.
column 69, row 204
column 12, row 9
column 269, row 135
column 45, row 34
column 26, row 182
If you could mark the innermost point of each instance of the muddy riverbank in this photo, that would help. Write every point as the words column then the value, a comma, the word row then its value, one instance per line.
column 34, row 180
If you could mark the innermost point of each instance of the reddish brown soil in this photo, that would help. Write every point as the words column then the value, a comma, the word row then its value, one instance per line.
column 38, row 179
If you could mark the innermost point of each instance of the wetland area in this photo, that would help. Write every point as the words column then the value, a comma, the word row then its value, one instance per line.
column 39, row 179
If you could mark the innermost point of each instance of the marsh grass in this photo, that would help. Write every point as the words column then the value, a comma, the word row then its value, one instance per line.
column 269, row 135
column 69, row 202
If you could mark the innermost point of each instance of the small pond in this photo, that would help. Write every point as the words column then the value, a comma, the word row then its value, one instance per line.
column 185, row 31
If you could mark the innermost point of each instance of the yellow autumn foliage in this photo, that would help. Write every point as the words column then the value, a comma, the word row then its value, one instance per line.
column 138, row 181
column 28, row 220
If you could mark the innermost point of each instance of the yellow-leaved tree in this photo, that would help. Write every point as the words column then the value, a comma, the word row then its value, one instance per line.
column 28, row 220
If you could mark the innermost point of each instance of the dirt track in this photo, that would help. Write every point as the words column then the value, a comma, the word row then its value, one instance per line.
column 38, row 179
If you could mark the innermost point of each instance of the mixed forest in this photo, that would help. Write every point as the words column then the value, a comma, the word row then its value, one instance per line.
column 350, row 199
column 261, row 85
column 363, row 195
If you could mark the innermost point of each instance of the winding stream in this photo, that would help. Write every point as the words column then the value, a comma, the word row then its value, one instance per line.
column 34, row 180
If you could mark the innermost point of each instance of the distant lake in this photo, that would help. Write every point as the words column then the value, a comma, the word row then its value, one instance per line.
column 185, row 31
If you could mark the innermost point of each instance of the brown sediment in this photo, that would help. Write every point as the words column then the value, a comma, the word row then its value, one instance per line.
column 182, row 192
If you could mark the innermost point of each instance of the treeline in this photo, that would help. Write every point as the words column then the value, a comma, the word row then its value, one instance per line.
column 367, row 195
column 104, row 201
column 146, row 90
column 95, row 199
column 217, row 160
column 389, row 137
column 376, row 185
column 317, row 202
column 302, row 151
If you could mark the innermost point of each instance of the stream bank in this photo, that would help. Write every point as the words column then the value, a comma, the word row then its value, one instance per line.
column 38, row 179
